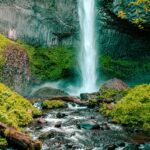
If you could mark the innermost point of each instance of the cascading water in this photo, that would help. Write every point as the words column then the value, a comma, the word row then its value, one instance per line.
column 87, row 57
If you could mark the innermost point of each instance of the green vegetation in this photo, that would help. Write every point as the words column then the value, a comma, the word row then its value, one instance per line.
column 93, row 103
column 4, row 42
column 137, row 11
column 111, row 94
column 45, row 63
column 15, row 110
column 3, row 142
column 51, row 63
column 124, row 68
column 47, row 104
column 133, row 109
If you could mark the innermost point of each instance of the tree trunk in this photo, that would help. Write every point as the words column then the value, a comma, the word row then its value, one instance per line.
column 19, row 139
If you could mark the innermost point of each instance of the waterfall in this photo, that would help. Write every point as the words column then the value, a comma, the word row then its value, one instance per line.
column 87, row 55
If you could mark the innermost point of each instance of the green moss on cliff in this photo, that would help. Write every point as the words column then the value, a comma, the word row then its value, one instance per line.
column 15, row 110
column 51, row 63
column 45, row 63
column 124, row 68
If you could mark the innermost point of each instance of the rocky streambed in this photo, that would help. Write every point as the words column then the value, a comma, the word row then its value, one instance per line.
column 81, row 128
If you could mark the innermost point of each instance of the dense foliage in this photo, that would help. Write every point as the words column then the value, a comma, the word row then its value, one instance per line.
column 3, row 142
column 136, row 11
column 133, row 109
column 51, row 63
column 15, row 110
column 47, row 104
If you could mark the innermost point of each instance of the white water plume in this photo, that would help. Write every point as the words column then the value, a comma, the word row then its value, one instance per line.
column 87, row 58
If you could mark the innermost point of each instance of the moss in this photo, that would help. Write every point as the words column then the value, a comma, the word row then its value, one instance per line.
column 111, row 94
column 3, row 142
column 47, row 104
column 51, row 63
column 3, row 43
column 15, row 110
column 134, row 108
column 125, row 68
column 45, row 63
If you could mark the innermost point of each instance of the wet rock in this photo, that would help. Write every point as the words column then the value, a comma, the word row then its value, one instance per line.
column 84, row 96
column 110, row 106
column 88, row 96
column 147, row 146
column 60, row 115
column 92, row 117
column 131, row 147
column 58, row 125
column 115, row 84
column 90, row 125
column 51, row 134
column 104, row 126
column 111, row 147
column 140, row 139
column 121, row 144
column 69, row 145
column 41, row 121
column 48, row 92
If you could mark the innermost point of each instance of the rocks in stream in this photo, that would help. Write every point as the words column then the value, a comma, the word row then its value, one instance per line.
column 89, row 125
column 48, row 92
column 58, row 125
column 60, row 115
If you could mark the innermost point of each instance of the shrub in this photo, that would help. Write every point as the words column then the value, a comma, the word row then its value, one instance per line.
column 134, row 108
column 111, row 94
column 3, row 142
column 15, row 110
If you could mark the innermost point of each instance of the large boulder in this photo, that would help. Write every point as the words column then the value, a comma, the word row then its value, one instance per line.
column 115, row 84
column 48, row 92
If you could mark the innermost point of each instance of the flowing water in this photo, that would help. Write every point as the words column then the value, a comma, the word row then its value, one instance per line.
column 87, row 58
column 69, row 136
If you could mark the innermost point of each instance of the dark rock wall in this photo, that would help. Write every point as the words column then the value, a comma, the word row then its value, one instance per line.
column 46, row 22
column 119, row 37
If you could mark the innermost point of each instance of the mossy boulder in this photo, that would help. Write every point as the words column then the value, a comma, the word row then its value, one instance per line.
column 133, row 109
column 48, row 92
column 51, row 104
column 113, row 90
column 15, row 110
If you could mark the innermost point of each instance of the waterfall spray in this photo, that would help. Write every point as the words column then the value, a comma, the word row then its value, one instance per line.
column 87, row 56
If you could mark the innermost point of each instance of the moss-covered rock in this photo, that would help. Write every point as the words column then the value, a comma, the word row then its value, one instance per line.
column 133, row 109
column 111, row 95
column 15, row 110
column 47, row 104
column 113, row 90
column 3, row 142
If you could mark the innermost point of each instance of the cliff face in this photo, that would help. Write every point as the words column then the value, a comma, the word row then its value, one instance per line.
column 120, row 36
column 46, row 22
column 56, row 22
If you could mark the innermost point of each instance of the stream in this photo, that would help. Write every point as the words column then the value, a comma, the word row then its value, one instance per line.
column 71, row 129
